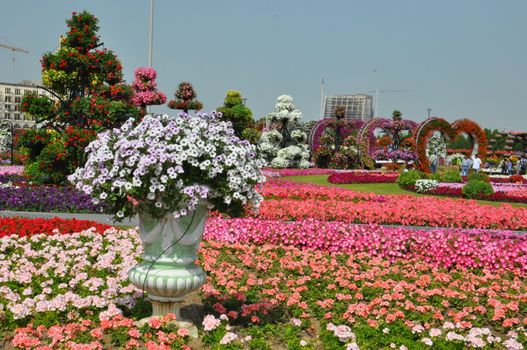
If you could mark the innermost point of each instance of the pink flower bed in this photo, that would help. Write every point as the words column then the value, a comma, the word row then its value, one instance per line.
column 11, row 169
column 444, row 247
column 279, row 189
column 362, row 177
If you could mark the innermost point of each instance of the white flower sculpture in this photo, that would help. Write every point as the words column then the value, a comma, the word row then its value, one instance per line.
column 283, row 148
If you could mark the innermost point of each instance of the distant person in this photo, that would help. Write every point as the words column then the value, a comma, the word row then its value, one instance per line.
column 509, row 166
column 476, row 165
column 523, row 165
column 433, row 163
column 465, row 165
column 503, row 166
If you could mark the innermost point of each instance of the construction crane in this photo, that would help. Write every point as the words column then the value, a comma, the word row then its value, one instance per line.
column 14, row 49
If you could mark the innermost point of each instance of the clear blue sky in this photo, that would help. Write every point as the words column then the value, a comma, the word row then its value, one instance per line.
column 462, row 58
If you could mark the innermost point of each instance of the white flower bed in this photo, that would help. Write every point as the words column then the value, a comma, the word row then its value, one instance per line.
column 424, row 185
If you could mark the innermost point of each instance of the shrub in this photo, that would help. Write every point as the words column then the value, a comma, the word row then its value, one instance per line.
column 425, row 185
column 478, row 177
column 477, row 189
column 451, row 176
column 407, row 179
column 435, row 177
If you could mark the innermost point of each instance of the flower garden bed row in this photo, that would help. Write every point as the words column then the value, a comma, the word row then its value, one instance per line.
column 362, row 177
column 513, row 193
column 400, row 210
column 336, row 204
column 264, row 289
column 46, row 199
column 29, row 227
column 446, row 248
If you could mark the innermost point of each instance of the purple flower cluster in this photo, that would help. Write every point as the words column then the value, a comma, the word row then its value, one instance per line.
column 383, row 154
column 46, row 199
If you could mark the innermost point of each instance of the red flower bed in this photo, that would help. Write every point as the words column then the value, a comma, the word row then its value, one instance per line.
column 362, row 177
column 29, row 227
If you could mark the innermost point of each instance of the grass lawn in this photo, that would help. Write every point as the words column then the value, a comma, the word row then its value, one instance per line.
column 381, row 188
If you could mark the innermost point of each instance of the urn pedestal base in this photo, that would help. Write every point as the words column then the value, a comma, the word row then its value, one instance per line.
column 163, row 308
column 166, row 285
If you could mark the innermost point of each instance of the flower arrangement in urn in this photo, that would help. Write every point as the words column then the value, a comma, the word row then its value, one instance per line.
column 171, row 171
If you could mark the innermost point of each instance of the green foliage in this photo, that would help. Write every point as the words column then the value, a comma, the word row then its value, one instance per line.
column 478, row 177
column 408, row 179
column 477, row 189
column 435, row 176
column 240, row 116
column 252, row 135
column 52, row 155
column 461, row 142
column 397, row 115
column 233, row 98
column 451, row 176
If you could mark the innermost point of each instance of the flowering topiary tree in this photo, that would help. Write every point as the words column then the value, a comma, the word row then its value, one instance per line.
column 285, row 147
column 91, row 96
column 145, row 89
column 240, row 116
column 185, row 98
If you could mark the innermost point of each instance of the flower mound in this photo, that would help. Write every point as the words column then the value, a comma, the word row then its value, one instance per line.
column 166, row 165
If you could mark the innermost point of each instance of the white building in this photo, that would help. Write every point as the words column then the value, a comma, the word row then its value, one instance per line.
column 10, row 97
column 358, row 106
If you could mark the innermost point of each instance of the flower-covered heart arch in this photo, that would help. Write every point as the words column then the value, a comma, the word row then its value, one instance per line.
column 476, row 134
column 367, row 132
column 424, row 132
column 347, row 128
column 426, row 129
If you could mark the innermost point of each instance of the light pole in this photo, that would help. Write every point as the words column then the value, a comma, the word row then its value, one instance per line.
column 429, row 110
column 150, row 33
column 12, row 128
